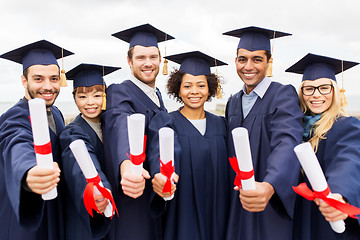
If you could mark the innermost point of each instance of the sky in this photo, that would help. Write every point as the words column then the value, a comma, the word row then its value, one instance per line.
column 324, row 27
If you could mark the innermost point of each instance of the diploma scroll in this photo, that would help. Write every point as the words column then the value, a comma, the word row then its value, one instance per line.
column 243, row 154
column 166, row 149
column 83, row 158
column 41, row 135
column 314, row 173
column 136, row 132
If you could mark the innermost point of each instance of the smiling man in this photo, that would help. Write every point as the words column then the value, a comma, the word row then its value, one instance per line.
column 270, row 112
column 137, row 95
column 24, row 214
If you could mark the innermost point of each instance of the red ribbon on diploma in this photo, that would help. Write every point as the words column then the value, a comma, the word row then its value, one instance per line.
column 303, row 190
column 138, row 159
column 167, row 170
column 89, row 201
column 43, row 149
column 240, row 175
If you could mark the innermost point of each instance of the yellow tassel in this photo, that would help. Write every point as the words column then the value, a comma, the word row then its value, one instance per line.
column 104, row 102
column 343, row 100
column 165, row 69
column 218, row 91
column 269, row 69
column 63, row 82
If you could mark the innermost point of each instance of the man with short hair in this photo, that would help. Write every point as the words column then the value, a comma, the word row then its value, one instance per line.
column 24, row 214
column 137, row 95
column 271, row 114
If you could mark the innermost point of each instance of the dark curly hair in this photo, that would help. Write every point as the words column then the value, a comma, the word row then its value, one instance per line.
column 174, row 83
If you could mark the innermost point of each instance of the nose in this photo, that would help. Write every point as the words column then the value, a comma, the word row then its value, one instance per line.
column 47, row 85
column 90, row 100
column 194, row 90
column 317, row 93
column 148, row 62
column 248, row 65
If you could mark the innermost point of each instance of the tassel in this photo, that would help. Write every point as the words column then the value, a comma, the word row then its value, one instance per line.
column 165, row 69
column 104, row 102
column 219, row 91
column 269, row 69
column 63, row 82
column 343, row 101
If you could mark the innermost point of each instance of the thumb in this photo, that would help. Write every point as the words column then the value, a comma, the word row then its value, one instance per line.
column 145, row 174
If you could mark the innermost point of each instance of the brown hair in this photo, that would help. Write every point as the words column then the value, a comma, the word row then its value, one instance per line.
column 175, row 79
column 131, row 51
column 97, row 87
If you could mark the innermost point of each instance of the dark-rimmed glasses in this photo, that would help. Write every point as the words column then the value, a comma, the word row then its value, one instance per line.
column 323, row 89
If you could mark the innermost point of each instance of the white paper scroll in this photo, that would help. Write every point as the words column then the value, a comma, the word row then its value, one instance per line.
column 83, row 158
column 41, row 135
column 136, row 131
column 314, row 173
column 243, row 155
column 166, row 148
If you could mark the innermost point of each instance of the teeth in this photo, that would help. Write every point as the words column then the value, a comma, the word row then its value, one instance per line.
column 249, row 74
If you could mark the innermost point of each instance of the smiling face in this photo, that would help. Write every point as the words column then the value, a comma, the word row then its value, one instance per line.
column 145, row 63
column 90, row 103
column 194, row 91
column 251, row 67
column 318, row 103
column 42, row 81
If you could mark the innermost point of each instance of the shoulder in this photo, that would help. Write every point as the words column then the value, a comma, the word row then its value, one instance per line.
column 283, row 90
column 346, row 125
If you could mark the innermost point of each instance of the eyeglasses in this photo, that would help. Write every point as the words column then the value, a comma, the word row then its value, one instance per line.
column 323, row 89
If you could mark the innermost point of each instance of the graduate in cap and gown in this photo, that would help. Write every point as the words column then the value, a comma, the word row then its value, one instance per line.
column 200, row 207
column 24, row 214
column 271, row 114
column 89, row 95
column 335, row 138
column 132, row 193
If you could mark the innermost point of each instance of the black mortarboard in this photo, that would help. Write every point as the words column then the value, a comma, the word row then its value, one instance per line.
column 255, row 38
column 87, row 75
column 315, row 66
column 195, row 63
column 37, row 53
column 143, row 35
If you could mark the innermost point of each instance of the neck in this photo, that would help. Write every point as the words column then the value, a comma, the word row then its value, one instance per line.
column 193, row 114
column 94, row 120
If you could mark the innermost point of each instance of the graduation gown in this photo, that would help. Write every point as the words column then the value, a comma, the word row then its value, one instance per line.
column 78, row 222
column 200, row 207
column 274, row 125
column 339, row 158
column 24, row 215
column 135, row 221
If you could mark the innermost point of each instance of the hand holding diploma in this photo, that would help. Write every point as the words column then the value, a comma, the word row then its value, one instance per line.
column 137, row 142
column 242, row 163
column 94, row 186
column 316, row 177
column 46, row 178
column 166, row 149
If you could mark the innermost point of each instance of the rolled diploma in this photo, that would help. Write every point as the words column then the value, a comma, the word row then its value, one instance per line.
column 41, row 135
column 136, row 131
column 166, row 149
column 314, row 173
column 243, row 155
column 83, row 158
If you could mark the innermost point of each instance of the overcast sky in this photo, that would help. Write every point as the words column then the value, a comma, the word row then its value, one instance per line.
column 325, row 27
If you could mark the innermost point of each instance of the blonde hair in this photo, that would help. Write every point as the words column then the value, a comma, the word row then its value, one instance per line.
column 328, row 118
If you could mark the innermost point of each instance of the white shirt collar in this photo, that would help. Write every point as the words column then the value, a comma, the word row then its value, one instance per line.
column 149, row 91
column 261, row 88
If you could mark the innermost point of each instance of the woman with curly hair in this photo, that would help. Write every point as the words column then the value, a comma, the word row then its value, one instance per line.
column 335, row 137
column 199, row 209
